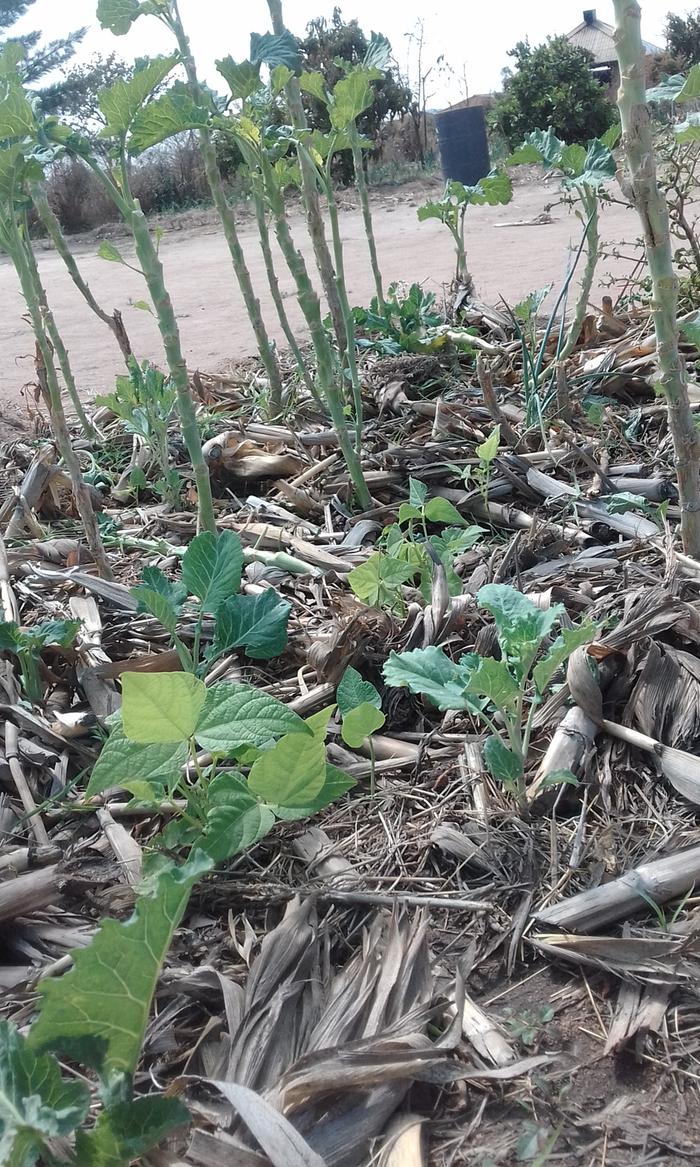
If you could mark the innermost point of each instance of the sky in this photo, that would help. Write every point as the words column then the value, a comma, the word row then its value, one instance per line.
column 473, row 35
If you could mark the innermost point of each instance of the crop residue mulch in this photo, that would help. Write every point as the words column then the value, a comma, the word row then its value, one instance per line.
column 418, row 974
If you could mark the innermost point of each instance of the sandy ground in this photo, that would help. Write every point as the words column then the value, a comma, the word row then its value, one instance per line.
column 507, row 261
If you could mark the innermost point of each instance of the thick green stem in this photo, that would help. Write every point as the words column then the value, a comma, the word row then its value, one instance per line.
column 653, row 213
column 348, row 323
column 55, row 233
column 363, row 192
column 277, row 300
column 34, row 295
column 314, row 218
column 228, row 221
column 311, row 307
column 589, row 201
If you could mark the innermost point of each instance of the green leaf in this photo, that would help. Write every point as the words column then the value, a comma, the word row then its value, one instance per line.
column 441, row 510
column 691, row 331
column 243, row 79
column 161, row 707
column 454, row 541
column 691, row 86
column 315, row 85
column 377, row 580
column 335, row 786
column 234, row 826
column 689, row 130
column 493, row 680
column 280, row 76
column 271, row 50
column 497, row 189
column 378, row 55
column 239, row 715
column 503, row 763
column 612, row 135
column 35, row 1102
column 417, row 492
column 211, row 568
column 122, row 101
column 108, row 251
column 568, row 640
column 488, row 450
column 430, row 672
column 408, row 512
column 172, row 113
column 525, row 155
column 521, row 626
column 10, row 636
column 351, row 97
column 129, row 1130
column 667, row 90
column 119, row 15
column 572, row 159
column 257, row 624
column 360, row 723
column 292, row 773
column 97, row 1012
column 160, row 596
column 128, row 764
column 57, row 632
column 142, row 305
column 558, row 778
column 353, row 691
column 599, row 167
column 16, row 115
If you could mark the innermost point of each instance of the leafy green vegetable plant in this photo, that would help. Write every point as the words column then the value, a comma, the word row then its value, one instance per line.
column 480, row 475
column 26, row 644
column 503, row 694
column 585, row 171
column 403, row 323
column 145, row 401
column 495, row 190
column 360, row 705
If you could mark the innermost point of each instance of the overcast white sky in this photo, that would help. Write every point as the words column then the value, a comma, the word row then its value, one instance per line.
column 474, row 35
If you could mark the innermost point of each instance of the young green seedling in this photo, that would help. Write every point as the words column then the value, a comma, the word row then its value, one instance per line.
column 360, row 705
column 145, row 401
column 26, row 644
column 503, row 694
column 495, row 190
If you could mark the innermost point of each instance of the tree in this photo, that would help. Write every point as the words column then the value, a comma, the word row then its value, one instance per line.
column 683, row 36
column 41, row 58
column 325, row 42
column 552, row 85
column 76, row 96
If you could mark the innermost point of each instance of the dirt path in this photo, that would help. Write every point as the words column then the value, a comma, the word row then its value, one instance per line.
column 508, row 261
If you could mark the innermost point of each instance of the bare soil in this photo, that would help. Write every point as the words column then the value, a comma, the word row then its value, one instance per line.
column 506, row 260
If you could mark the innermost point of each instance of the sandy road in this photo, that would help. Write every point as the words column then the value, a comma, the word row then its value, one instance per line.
column 506, row 261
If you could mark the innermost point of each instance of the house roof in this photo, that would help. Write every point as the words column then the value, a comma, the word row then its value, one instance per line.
column 599, row 39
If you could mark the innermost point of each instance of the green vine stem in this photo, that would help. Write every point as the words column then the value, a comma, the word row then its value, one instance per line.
column 363, row 192
column 55, row 232
column 34, row 296
column 312, row 206
column 227, row 216
column 643, row 191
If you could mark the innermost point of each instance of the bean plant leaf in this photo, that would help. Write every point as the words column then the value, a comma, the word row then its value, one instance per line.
column 35, row 1101
column 360, row 723
column 271, row 49
column 161, row 707
column 336, row 784
column 121, row 103
column 292, row 773
column 240, row 715
column 97, row 1012
column 377, row 581
column 257, row 624
column 568, row 640
column 455, row 541
column 502, row 762
column 493, row 680
column 118, row 15
column 487, row 451
column 430, row 672
column 315, row 85
column 126, row 1131
column 162, row 597
column 441, row 510
column 172, row 113
column 353, row 691
column 242, row 78
column 234, row 826
column 521, row 626
column 417, row 492
column 127, row 764
column 211, row 568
